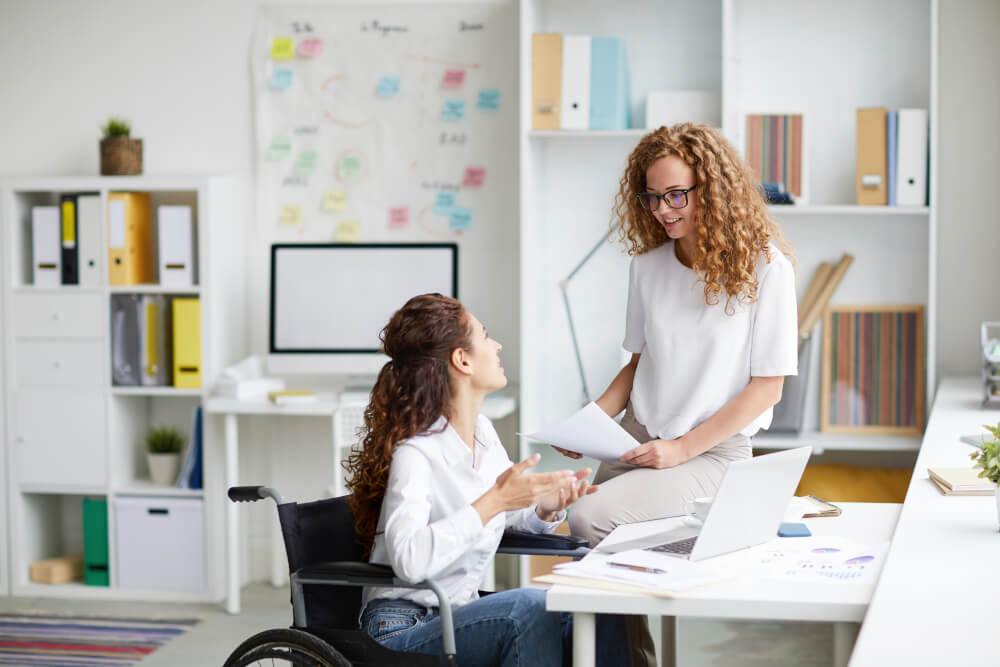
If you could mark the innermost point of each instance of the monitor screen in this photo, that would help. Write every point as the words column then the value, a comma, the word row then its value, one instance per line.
column 330, row 301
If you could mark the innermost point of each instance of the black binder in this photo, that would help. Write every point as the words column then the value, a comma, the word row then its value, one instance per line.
column 68, row 234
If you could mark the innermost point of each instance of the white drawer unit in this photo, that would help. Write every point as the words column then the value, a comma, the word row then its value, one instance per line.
column 160, row 543
column 63, row 363
column 58, row 315
column 60, row 437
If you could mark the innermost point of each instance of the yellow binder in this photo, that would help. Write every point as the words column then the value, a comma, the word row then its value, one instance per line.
column 130, row 238
column 871, row 180
column 187, row 343
column 546, row 81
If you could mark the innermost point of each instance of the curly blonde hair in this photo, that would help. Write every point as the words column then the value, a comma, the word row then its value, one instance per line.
column 733, row 227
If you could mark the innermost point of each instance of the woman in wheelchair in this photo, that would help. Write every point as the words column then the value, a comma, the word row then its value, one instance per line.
column 433, row 489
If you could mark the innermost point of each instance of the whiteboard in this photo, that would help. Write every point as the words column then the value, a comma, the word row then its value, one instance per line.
column 378, row 122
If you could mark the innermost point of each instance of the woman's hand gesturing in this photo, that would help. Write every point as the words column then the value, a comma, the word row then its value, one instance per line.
column 515, row 488
column 560, row 499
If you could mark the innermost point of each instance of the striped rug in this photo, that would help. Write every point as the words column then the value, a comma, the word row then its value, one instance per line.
column 82, row 641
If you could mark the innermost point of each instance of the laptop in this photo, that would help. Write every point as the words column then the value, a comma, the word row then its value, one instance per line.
column 747, row 510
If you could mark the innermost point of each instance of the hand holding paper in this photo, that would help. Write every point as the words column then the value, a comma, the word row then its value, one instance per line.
column 589, row 431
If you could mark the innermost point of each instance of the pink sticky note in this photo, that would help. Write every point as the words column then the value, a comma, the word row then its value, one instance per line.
column 453, row 78
column 399, row 216
column 474, row 176
column 310, row 47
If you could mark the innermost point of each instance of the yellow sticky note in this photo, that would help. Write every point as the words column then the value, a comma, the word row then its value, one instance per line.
column 347, row 231
column 282, row 48
column 291, row 215
column 334, row 200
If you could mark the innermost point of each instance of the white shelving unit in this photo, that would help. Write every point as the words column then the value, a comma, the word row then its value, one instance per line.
column 761, row 56
column 72, row 434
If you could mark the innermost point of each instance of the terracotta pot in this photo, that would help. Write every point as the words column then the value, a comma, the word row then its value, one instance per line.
column 121, row 156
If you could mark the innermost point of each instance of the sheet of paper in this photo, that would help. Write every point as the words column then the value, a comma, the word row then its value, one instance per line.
column 643, row 568
column 589, row 431
column 832, row 559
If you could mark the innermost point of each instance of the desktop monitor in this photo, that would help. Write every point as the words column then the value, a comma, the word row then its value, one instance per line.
column 329, row 301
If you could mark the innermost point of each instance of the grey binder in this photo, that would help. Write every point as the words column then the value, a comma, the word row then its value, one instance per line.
column 125, row 339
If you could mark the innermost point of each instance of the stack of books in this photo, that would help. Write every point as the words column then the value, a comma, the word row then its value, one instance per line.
column 961, row 482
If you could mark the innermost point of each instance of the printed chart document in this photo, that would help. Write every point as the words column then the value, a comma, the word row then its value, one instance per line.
column 589, row 431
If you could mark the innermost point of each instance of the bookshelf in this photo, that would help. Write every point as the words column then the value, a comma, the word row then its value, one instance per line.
column 825, row 62
column 72, row 433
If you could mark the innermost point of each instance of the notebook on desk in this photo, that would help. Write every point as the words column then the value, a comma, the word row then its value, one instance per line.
column 748, row 508
column 961, row 482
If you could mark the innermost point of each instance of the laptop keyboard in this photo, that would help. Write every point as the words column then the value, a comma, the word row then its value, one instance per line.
column 678, row 547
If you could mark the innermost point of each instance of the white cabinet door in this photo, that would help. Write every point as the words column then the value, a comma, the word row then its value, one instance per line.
column 59, row 363
column 60, row 437
column 45, row 315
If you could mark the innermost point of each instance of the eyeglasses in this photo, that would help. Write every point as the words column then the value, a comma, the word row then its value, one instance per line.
column 673, row 198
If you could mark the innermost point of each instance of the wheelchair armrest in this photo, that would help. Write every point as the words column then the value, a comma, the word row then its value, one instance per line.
column 542, row 544
column 352, row 573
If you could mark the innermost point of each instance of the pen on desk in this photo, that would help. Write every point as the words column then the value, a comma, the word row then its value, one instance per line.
column 637, row 568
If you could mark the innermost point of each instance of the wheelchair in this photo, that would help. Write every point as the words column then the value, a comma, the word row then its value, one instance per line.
column 327, row 571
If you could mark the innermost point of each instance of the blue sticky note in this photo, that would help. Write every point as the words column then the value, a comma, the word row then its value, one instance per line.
column 387, row 86
column 453, row 110
column 281, row 78
column 489, row 98
column 461, row 218
column 444, row 202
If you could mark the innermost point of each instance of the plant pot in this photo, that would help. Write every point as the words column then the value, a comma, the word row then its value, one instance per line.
column 121, row 156
column 163, row 468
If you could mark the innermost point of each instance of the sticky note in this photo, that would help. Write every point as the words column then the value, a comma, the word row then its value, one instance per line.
column 461, row 218
column 291, row 215
column 347, row 231
column 334, row 200
column 399, row 216
column 453, row 110
column 281, row 78
column 349, row 168
column 387, row 86
column 305, row 162
column 444, row 202
column 474, row 177
column 489, row 98
column 282, row 48
column 453, row 78
column 310, row 47
column 279, row 149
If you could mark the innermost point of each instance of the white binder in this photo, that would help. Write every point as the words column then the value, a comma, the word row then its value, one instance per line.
column 576, row 82
column 175, row 247
column 92, row 253
column 152, row 331
column 46, row 246
column 911, row 162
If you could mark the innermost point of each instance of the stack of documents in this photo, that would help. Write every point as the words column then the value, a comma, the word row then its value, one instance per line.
column 961, row 482
column 636, row 570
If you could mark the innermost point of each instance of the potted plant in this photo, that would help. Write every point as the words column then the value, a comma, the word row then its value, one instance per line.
column 121, row 155
column 163, row 453
column 987, row 460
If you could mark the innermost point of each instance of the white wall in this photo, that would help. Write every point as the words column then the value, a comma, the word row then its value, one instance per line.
column 969, row 216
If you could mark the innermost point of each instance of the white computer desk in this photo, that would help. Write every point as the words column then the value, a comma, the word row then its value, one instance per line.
column 327, row 406
column 748, row 598
column 936, row 601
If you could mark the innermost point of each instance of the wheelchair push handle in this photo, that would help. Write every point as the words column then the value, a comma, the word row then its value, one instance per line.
column 249, row 494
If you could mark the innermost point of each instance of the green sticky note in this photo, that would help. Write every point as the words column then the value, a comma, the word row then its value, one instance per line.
column 279, row 149
column 349, row 168
column 305, row 162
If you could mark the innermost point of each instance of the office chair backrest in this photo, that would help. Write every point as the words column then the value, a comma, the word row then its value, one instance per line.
column 319, row 532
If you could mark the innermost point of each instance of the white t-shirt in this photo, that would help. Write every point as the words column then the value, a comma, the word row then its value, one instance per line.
column 428, row 527
column 695, row 358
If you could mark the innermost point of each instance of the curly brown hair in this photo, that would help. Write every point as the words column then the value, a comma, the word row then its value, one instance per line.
column 733, row 227
column 412, row 391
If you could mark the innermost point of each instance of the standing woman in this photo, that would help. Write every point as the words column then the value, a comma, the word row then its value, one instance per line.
column 711, row 324
column 433, row 490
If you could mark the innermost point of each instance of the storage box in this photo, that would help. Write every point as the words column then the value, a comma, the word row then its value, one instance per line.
column 57, row 570
column 95, row 542
column 160, row 543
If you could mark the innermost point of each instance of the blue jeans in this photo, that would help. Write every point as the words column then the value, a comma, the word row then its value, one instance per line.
column 506, row 629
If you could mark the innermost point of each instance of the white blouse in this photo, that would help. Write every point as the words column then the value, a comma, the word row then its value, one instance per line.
column 428, row 527
column 695, row 358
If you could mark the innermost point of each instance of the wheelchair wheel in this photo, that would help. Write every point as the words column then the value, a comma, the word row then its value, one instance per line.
column 286, row 647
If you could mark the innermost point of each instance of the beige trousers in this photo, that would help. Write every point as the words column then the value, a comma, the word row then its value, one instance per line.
column 631, row 493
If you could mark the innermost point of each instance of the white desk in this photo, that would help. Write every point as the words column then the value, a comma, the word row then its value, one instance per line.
column 326, row 406
column 936, row 602
column 748, row 598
